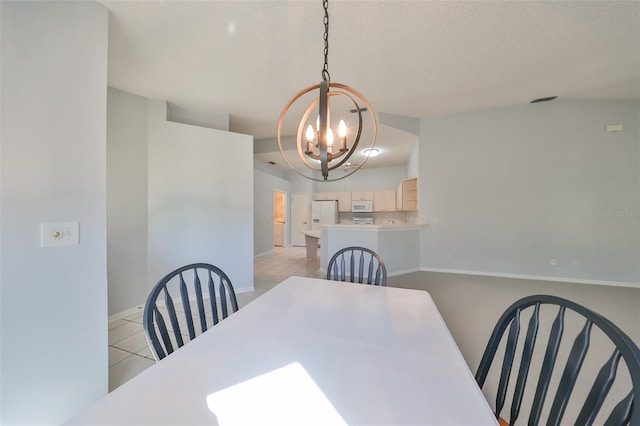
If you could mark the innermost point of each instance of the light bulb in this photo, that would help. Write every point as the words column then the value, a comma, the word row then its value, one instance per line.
column 318, row 123
column 310, row 133
column 329, row 137
column 342, row 129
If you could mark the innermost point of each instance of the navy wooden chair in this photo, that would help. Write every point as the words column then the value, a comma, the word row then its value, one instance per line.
column 625, row 410
column 359, row 265
column 183, row 304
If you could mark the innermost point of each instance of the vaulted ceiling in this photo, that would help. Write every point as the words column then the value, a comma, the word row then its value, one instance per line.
column 410, row 58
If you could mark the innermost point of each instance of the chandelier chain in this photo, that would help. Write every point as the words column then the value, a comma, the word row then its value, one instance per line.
column 325, row 70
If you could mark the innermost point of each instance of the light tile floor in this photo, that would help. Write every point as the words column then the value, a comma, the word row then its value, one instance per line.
column 129, row 354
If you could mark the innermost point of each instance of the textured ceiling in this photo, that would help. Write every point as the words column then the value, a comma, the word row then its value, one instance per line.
column 412, row 58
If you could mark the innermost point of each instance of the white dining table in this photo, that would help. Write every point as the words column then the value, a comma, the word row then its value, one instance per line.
column 309, row 351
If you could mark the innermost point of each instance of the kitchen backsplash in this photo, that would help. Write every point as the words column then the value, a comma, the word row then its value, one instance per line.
column 381, row 218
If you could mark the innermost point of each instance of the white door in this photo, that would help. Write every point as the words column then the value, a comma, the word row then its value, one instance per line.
column 300, row 213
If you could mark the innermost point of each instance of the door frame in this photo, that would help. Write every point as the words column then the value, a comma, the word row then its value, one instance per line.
column 285, row 212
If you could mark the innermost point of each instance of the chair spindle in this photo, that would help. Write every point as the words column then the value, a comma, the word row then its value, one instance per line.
column 509, row 355
column 570, row 374
column 525, row 363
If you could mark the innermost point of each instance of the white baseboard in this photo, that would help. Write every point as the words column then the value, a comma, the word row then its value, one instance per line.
column 406, row 271
column 125, row 313
column 534, row 277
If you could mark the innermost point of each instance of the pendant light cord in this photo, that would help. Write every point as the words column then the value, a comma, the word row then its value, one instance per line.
column 325, row 70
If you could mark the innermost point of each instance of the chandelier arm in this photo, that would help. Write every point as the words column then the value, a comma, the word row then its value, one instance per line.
column 372, row 114
column 322, row 131
column 299, row 144
column 356, row 139
column 283, row 114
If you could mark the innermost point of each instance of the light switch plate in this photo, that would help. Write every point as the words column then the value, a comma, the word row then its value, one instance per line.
column 53, row 234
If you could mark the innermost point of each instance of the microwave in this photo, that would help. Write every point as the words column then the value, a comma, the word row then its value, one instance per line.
column 362, row 206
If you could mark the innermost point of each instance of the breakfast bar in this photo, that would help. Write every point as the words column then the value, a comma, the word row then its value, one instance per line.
column 311, row 240
column 398, row 244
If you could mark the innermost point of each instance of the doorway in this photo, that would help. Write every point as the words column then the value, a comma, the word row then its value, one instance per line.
column 279, row 218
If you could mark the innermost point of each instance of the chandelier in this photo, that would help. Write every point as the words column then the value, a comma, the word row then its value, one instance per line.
column 318, row 148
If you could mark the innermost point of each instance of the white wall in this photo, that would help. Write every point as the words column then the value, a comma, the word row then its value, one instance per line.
column 53, row 300
column 126, row 200
column 374, row 179
column 413, row 165
column 513, row 188
column 264, row 184
column 200, row 199
column 471, row 306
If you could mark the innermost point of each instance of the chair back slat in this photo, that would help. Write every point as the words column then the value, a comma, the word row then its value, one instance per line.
column 549, row 362
column 184, row 294
column 606, row 387
column 507, row 364
column 200, row 302
column 163, row 332
column 352, row 265
column 621, row 414
column 570, row 374
column 223, row 299
column 361, row 268
column 357, row 265
column 370, row 272
column 525, row 363
column 213, row 300
column 173, row 317
column 159, row 324
column 599, row 390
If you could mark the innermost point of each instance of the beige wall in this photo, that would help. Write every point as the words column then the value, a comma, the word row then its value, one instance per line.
column 471, row 305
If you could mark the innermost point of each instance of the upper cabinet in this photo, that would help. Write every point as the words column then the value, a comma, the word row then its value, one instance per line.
column 361, row 195
column 407, row 195
column 405, row 198
column 344, row 202
column 322, row 196
column 384, row 201
column 344, row 199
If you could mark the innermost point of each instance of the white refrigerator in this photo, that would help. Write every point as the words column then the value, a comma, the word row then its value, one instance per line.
column 323, row 213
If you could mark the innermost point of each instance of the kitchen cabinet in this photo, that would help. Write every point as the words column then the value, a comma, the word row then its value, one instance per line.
column 321, row 196
column 344, row 202
column 407, row 195
column 361, row 195
column 384, row 201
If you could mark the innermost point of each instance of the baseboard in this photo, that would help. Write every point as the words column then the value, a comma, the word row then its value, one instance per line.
column 533, row 277
column 404, row 272
column 125, row 313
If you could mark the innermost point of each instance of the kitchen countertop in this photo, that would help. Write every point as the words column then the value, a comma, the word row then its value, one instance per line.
column 402, row 226
column 313, row 234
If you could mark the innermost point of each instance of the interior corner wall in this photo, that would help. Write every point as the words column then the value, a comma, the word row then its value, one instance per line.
column 366, row 179
column 515, row 188
column 126, row 200
column 413, row 165
column 264, row 185
column 200, row 199
column 53, row 167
